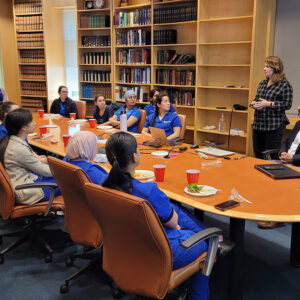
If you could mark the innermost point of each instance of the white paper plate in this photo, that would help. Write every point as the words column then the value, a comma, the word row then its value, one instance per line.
column 49, row 126
column 32, row 134
column 134, row 134
column 77, row 121
column 206, row 191
column 104, row 127
column 143, row 174
column 103, row 141
column 159, row 153
column 51, row 116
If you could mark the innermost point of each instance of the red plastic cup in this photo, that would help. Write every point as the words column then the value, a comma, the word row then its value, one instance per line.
column 43, row 130
column 73, row 116
column 66, row 138
column 92, row 123
column 159, row 172
column 41, row 113
column 192, row 176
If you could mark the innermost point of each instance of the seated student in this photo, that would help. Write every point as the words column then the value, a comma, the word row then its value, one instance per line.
column 19, row 161
column 81, row 150
column 163, row 118
column 102, row 112
column 5, row 108
column 3, row 95
column 150, row 108
column 124, row 156
column 63, row 105
column 133, row 113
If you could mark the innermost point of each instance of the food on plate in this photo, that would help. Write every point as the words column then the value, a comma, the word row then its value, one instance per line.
column 195, row 188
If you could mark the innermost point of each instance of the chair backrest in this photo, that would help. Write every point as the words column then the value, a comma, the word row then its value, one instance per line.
column 136, row 251
column 142, row 120
column 7, row 194
column 79, row 221
column 183, row 123
column 81, row 107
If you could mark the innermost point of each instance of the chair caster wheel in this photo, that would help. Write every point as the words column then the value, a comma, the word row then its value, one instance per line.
column 48, row 258
column 64, row 288
column 69, row 262
column 1, row 259
column 117, row 293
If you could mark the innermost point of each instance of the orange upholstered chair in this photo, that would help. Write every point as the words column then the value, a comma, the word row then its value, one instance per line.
column 9, row 210
column 183, row 123
column 81, row 107
column 136, row 250
column 141, row 121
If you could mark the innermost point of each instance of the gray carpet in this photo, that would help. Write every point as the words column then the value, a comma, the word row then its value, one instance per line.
column 267, row 273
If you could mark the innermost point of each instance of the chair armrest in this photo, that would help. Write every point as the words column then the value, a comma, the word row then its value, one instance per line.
column 268, row 152
column 213, row 235
column 48, row 185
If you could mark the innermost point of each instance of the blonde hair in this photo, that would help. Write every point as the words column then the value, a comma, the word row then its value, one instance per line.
column 276, row 64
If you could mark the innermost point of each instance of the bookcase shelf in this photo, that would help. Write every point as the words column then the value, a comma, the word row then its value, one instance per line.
column 241, row 18
column 144, row 46
column 94, row 29
column 173, row 85
column 171, row 2
column 132, row 27
column 96, row 82
column 222, row 109
column 93, row 10
column 133, row 7
column 131, row 83
column 94, row 47
column 175, row 23
column 133, row 65
column 28, row 14
column 29, row 31
column 221, row 133
column 174, row 45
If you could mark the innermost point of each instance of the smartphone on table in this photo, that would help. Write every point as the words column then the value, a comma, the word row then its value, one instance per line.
column 227, row 205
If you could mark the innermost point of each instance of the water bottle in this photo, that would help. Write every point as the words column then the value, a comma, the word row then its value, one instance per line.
column 123, row 121
column 222, row 126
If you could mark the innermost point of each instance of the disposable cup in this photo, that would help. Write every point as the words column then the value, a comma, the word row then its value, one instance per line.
column 159, row 172
column 92, row 123
column 66, row 138
column 73, row 116
column 41, row 113
column 43, row 130
column 192, row 176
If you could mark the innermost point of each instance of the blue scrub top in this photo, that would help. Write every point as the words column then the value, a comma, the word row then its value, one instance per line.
column 96, row 173
column 134, row 112
column 150, row 109
column 3, row 131
column 1, row 96
column 168, row 122
column 62, row 111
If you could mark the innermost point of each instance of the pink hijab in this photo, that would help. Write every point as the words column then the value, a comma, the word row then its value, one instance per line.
column 82, row 146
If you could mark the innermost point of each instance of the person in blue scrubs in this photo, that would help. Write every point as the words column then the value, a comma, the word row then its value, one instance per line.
column 163, row 118
column 81, row 150
column 3, row 95
column 150, row 108
column 5, row 108
column 124, row 156
column 133, row 113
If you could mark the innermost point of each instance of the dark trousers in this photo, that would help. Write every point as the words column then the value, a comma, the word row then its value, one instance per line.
column 266, row 140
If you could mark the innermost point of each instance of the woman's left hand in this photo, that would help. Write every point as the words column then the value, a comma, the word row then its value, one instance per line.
column 261, row 104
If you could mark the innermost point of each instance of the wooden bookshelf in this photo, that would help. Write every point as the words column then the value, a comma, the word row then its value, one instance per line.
column 29, row 33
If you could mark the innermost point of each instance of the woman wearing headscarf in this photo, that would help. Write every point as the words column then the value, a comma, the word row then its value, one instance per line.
column 81, row 150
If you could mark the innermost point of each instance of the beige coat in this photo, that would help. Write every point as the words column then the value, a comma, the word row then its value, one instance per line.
column 20, row 162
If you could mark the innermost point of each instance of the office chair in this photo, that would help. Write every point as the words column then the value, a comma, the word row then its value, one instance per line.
column 81, row 108
column 141, row 121
column 9, row 211
column 136, row 250
column 183, row 127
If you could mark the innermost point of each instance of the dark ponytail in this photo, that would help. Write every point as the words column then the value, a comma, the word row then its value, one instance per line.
column 120, row 148
column 14, row 121
column 158, row 101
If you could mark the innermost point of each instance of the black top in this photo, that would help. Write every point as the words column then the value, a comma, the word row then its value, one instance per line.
column 288, row 142
column 271, row 118
column 106, row 115
column 70, row 107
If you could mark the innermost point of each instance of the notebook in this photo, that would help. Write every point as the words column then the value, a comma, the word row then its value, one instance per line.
column 278, row 171
column 215, row 151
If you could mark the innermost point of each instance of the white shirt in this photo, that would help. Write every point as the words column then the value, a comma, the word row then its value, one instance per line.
column 295, row 144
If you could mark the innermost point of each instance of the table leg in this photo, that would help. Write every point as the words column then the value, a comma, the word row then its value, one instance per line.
column 295, row 245
column 236, row 232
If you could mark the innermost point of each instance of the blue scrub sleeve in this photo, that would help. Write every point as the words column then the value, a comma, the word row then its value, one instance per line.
column 176, row 121
column 136, row 113
column 97, row 174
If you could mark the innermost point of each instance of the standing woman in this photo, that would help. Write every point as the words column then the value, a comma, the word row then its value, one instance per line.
column 274, row 96
column 63, row 105
column 20, row 163
column 3, row 95
column 102, row 112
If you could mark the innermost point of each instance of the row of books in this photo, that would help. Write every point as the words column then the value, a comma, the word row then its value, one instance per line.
column 96, row 76
column 97, row 58
column 25, row 40
column 173, row 14
column 90, row 107
column 94, row 21
column 142, row 92
column 91, row 90
column 175, row 77
column 34, row 88
column 133, row 56
column 167, row 36
column 132, row 18
column 28, row 6
column 95, row 40
column 32, row 56
column 29, row 72
column 133, row 37
column 180, row 97
column 132, row 75
column 29, row 23
column 171, row 57
column 32, row 104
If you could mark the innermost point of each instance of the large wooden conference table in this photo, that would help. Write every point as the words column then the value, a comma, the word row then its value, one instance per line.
column 272, row 200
